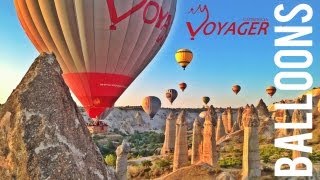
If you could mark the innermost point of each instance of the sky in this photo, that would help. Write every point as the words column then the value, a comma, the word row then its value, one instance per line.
column 219, row 61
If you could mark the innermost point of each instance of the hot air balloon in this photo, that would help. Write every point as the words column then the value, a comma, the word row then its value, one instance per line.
column 184, row 57
column 271, row 90
column 236, row 89
column 171, row 95
column 151, row 105
column 101, row 46
column 205, row 99
column 182, row 86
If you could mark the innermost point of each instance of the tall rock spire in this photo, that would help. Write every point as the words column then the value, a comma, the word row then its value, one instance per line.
column 170, row 134
column 251, row 157
column 180, row 156
column 239, row 117
column 196, row 141
column 297, row 117
column 210, row 154
column 262, row 109
column 221, row 132
column 230, row 120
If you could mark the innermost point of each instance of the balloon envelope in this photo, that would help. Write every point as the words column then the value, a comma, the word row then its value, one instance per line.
column 101, row 45
column 184, row 57
column 171, row 95
column 236, row 89
column 205, row 99
column 271, row 90
column 182, row 86
column 151, row 105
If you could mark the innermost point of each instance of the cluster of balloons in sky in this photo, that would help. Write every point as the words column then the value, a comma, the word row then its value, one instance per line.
column 102, row 46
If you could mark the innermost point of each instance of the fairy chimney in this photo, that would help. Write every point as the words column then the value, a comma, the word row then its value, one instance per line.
column 221, row 132
column 196, row 141
column 139, row 120
column 229, row 117
column 262, row 109
column 209, row 154
column 251, row 158
column 170, row 134
column 297, row 117
column 235, row 127
column 225, row 120
column 42, row 132
column 180, row 156
column 122, row 160
column 239, row 117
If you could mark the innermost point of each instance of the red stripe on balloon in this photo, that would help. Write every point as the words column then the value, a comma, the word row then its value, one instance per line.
column 100, row 91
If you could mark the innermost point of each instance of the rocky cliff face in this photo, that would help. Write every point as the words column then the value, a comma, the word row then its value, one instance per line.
column 43, row 134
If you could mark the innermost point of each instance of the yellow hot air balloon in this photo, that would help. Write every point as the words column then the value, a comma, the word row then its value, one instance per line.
column 184, row 57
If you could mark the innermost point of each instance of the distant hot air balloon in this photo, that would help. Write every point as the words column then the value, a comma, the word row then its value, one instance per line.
column 184, row 57
column 182, row 86
column 151, row 105
column 171, row 95
column 101, row 45
column 271, row 90
column 205, row 99
column 236, row 89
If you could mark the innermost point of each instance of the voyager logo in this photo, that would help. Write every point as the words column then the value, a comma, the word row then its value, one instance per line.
column 249, row 26
column 160, row 18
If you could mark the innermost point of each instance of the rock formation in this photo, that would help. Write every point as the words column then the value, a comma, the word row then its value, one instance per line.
column 235, row 127
column 209, row 153
column 230, row 120
column 138, row 119
column 170, row 134
column 239, row 117
column 297, row 117
column 122, row 160
column 180, row 156
column 251, row 158
column 42, row 132
column 196, row 142
column 262, row 109
column 221, row 132
column 225, row 120
column 286, row 119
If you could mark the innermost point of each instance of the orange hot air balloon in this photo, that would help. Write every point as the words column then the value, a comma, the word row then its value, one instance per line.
column 151, row 105
column 236, row 89
column 271, row 90
column 101, row 45
column 182, row 86
column 205, row 99
column 171, row 95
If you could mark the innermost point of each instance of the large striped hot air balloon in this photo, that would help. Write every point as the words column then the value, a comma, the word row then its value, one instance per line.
column 151, row 105
column 101, row 45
